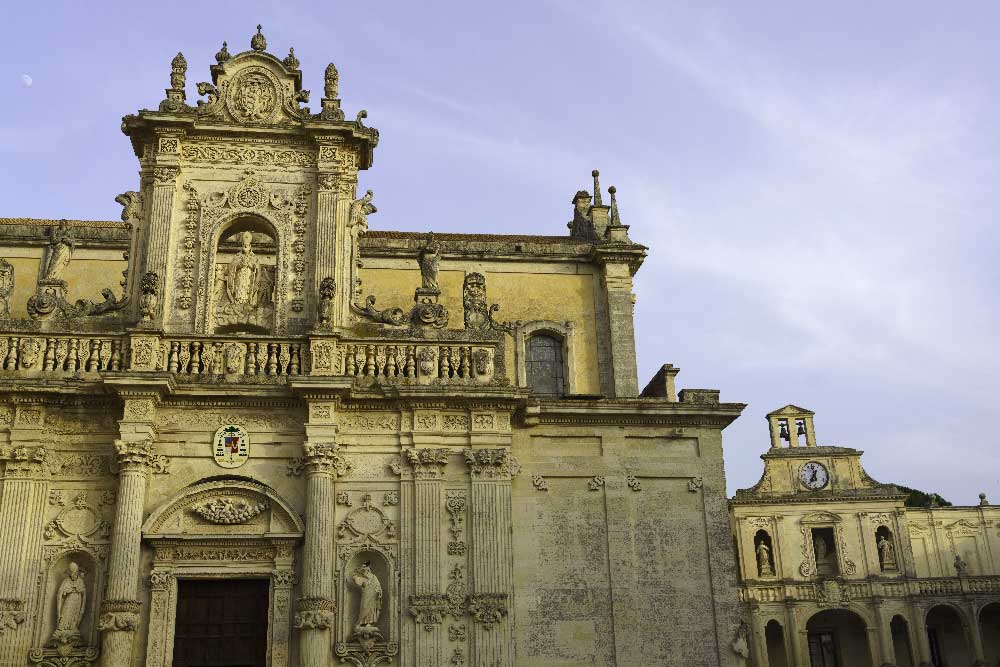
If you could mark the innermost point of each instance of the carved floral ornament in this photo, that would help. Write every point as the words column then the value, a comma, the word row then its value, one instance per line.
column 367, row 522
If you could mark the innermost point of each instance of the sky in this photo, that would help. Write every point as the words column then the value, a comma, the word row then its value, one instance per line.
column 817, row 183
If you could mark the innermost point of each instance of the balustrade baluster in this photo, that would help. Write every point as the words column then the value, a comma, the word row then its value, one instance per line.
column 185, row 356
column 196, row 358
column 411, row 364
column 74, row 355
column 49, row 360
column 11, row 362
column 272, row 360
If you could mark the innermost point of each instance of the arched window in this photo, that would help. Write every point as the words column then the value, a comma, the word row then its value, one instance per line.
column 544, row 364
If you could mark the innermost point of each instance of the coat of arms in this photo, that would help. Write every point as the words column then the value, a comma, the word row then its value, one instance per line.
column 231, row 447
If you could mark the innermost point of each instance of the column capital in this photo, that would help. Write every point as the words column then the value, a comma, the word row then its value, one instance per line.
column 24, row 463
column 134, row 455
column 488, row 608
column 11, row 614
column 315, row 613
column 427, row 462
column 497, row 463
column 324, row 458
column 429, row 609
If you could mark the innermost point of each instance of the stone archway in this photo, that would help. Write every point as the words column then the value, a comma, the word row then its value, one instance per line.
column 989, row 630
column 946, row 634
column 838, row 637
column 774, row 639
column 222, row 528
column 899, row 630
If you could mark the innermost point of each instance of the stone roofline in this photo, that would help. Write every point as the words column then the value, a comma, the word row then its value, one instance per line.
column 114, row 235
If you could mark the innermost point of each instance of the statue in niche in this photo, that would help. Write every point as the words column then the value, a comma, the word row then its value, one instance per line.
column 6, row 287
column 60, row 252
column 888, row 553
column 244, row 289
column 370, row 605
column 961, row 567
column 242, row 281
column 764, row 567
column 70, row 599
column 430, row 262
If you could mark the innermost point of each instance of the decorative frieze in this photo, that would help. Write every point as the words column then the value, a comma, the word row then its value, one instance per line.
column 229, row 511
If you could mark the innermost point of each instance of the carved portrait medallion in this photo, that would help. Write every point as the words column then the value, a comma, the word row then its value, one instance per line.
column 231, row 447
column 253, row 96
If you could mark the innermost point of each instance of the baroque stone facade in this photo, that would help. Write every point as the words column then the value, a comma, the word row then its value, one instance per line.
column 836, row 570
column 368, row 447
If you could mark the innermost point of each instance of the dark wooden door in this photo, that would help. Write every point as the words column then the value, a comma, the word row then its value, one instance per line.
column 221, row 623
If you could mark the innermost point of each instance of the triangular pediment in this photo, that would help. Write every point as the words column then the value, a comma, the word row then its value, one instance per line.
column 790, row 410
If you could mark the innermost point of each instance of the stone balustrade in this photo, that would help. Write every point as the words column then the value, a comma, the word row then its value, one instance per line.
column 857, row 590
column 238, row 358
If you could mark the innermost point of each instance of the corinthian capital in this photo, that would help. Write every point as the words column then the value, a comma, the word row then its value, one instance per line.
column 315, row 614
column 11, row 614
column 491, row 463
column 427, row 463
column 134, row 454
column 322, row 457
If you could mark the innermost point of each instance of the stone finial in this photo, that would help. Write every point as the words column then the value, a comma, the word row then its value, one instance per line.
column 597, row 188
column 178, row 72
column 331, row 81
column 258, row 42
column 290, row 61
column 982, row 500
column 615, row 220
column 223, row 54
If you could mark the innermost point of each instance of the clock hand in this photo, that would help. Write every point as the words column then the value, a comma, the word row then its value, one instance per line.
column 814, row 472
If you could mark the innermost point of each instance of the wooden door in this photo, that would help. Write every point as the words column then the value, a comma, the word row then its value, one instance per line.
column 221, row 623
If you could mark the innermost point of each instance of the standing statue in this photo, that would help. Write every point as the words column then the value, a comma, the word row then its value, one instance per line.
column 961, row 567
column 371, row 597
column 244, row 273
column 821, row 549
column 764, row 568
column 70, row 599
column 360, row 210
column 430, row 261
column 6, row 287
column 60, row 252
column 887, row 552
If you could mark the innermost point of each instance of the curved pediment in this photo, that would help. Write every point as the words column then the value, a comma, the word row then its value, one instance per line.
column 224, row 508
column 821, row 517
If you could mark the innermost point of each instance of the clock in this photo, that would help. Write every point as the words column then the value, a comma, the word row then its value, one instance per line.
column 814, row 475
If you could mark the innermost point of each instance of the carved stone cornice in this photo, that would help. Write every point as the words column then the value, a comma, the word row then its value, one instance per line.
column 11, row 614
column 315, row 613
column 491, row 463
column 427, row 463
column 488, row 608
column 323, row 458
column 429, row 609
column 119, row 616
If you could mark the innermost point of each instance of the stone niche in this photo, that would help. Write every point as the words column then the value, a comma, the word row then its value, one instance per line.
column 244, row 280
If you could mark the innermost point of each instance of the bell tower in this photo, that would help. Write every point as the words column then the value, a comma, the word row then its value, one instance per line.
column 244, row 208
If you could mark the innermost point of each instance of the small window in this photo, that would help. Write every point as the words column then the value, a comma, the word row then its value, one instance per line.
column 544, row 364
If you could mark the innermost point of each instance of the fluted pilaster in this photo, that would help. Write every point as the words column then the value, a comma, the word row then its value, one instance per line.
column 491, row 600
column 316, row 609
column 120, row 609
column 22, row 507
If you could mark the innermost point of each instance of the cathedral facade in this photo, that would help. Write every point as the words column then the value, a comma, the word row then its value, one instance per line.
column 281, row 438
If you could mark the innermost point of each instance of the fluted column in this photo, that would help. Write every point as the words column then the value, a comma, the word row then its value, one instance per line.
column 120, row 610
column 428, row 603
column 22, row 512
column 492, row 575
column 316, row 609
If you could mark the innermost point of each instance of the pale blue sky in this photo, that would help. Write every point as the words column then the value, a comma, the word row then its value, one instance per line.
column 817, row 184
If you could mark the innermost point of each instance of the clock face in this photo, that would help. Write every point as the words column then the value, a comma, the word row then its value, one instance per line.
column 814, row 475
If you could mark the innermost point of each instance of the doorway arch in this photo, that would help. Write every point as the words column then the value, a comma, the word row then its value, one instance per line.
column 838, row 637
column 989, row 630
column 946, row 634
column 774, row 639
column 899, row 630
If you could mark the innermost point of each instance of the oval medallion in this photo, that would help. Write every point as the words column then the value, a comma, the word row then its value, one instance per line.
column 231, row 447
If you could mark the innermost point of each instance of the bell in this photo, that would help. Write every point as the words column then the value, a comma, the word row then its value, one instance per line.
column 784, row 431
column 802, row 428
